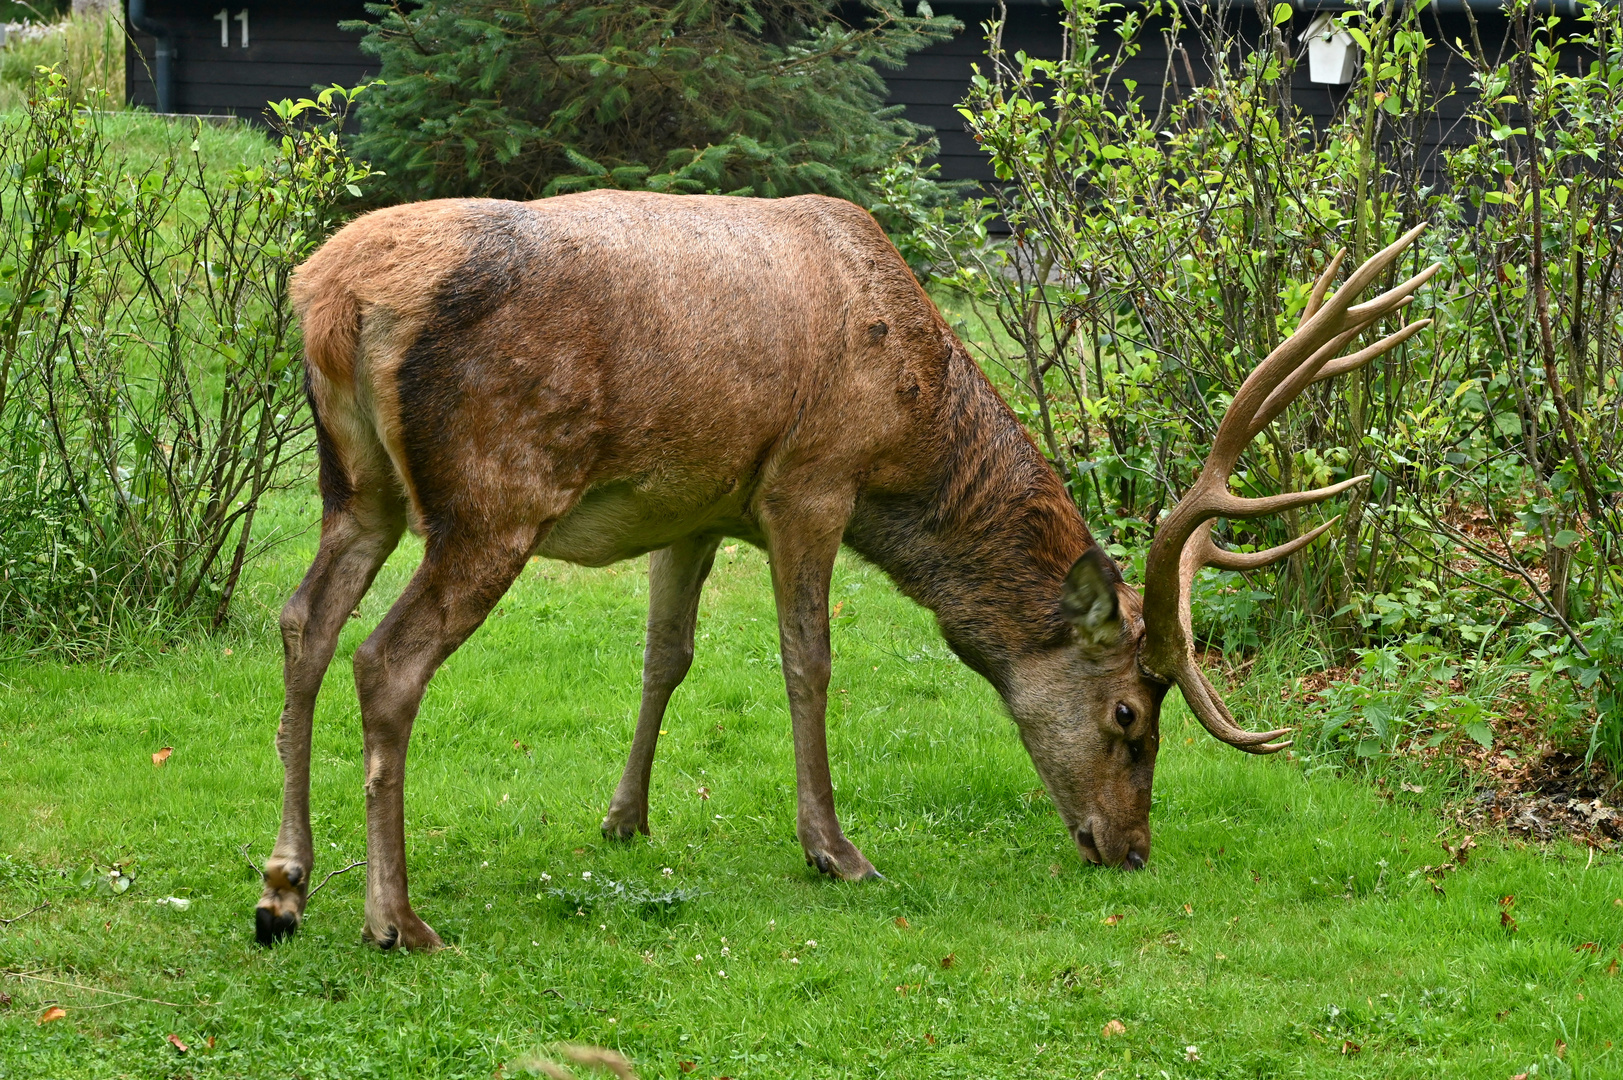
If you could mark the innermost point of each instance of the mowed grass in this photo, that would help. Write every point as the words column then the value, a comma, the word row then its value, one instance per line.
column 1282, row 928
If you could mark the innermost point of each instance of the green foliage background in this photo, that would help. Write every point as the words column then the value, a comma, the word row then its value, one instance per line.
column 521, row 98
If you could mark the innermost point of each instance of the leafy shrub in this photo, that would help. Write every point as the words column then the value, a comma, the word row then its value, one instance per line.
column 150, row 389
column 523, row 98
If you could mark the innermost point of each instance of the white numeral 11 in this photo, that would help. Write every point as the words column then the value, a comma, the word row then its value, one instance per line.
column 224, row 18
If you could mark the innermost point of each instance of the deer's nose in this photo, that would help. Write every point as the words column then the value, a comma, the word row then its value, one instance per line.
column 1134, row 861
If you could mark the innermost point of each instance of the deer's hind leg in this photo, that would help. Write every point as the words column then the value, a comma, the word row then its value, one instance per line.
column 359, row 529
column 460, row 580
column 676, row 576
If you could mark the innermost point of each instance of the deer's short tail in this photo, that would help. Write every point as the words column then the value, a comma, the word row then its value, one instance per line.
column 331, row 317
column 346, row 440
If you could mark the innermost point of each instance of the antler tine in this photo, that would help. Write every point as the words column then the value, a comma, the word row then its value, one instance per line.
column 1234, row 506
column 1365, row 275
column 1318, row 368
column 1207, row 705
column 1320, row 287
column 1364, row 356
column 1212, row 555
column 1333, row 322
column 1392, row 299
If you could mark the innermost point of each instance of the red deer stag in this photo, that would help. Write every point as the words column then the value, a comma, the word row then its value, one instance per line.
column 595, row 376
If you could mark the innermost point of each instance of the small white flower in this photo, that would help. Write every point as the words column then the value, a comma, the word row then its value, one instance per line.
column 586, row 875
column 602, row 926
column 667, row 871
column 725, row 951
column 484, row 864
column 697, row 958
column 794, row 959
column 723, row 974
column 1191, row 1053
column 614, row 1019
column 811, row 944
column 489, row 906
column 537, row 944
column 546, row 877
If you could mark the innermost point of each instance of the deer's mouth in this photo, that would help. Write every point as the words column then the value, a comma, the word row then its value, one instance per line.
column 1131, row 856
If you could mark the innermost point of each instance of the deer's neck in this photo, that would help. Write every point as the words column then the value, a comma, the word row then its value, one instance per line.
column 980, row 531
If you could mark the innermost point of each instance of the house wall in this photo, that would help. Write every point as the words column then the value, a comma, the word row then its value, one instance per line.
column 937, row 78
column 293, row 45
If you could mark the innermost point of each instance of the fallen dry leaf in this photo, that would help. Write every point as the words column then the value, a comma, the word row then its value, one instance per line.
column 1187, row 910
column 901, row 922
column 5, row 999
column 174, row 1040
column 1349, row 1047
column 687, row 1066
column 55, row 1012
column 1508, row 921
column 1588, row 946
column 730, row 549
column 162, row 755
column 949, row 960
column 1611, row 969
column 211, row 1042
column 1112, row 920
column 1112, row 1029
column 227, row 652
column 929, row 1038
column 1561, row 1049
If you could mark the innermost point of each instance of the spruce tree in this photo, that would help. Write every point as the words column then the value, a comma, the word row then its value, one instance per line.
column 525, row 98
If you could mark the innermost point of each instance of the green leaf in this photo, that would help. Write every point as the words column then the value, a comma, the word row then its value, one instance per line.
column 1282, row 14
column 1481, row 732
column 1565, row 539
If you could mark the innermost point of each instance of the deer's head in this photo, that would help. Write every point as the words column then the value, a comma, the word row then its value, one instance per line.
column 1089, row 711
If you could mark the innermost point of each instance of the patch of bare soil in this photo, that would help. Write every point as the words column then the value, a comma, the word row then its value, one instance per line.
column 1545, row 796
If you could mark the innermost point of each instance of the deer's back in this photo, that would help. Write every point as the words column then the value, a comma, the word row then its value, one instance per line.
column 634, row 364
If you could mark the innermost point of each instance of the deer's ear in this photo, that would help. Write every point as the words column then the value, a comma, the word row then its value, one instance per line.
column 1088, row 599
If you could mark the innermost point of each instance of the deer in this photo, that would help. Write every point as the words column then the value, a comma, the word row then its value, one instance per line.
column 597, row 376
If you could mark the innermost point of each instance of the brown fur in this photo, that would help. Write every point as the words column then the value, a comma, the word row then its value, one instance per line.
column 596, row 376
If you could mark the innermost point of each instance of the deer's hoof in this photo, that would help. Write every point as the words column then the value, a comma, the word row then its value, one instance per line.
column 408, row 933
column 843, row 862
column 281, row 908
column 620, row 825
column 271, row 925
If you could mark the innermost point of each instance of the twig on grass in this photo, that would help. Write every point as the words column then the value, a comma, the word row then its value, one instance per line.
column 257, row 869
column 571, row 1001
column 18, row 918
column 97, row 990
column 333, row 874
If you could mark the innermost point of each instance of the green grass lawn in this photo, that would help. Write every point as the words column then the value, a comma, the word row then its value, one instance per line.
column 1281, row 924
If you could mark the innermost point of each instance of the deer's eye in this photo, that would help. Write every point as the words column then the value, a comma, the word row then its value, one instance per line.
column 1124, row 714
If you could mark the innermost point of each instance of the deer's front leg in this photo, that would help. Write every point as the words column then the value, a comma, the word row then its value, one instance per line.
column 676, row 577
column 802, row 566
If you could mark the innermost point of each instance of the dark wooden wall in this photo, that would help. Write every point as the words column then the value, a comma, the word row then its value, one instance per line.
column 293, row 45
column 936, row 79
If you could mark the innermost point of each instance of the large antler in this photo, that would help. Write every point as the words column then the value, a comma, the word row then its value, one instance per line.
column 1183, row 543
